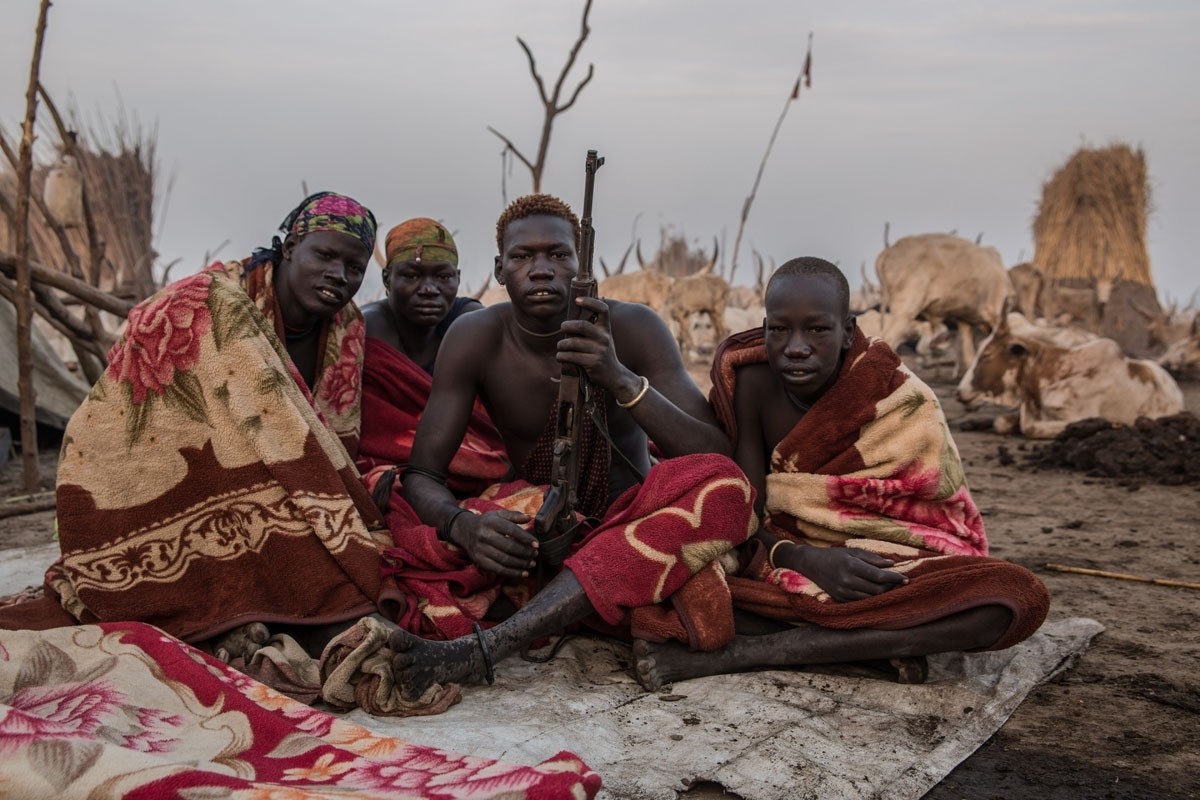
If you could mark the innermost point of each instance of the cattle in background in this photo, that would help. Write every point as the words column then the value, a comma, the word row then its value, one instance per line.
column 940, row 278
column 1027, row 283
column 648, row 286
column 1183, row 356
column 1053, row 385
column 702, row 293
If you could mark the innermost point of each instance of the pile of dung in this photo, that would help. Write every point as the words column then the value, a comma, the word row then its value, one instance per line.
column 1164, row 450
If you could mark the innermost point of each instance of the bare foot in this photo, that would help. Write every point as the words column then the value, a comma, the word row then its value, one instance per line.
column 419, row 663
column 657, row 664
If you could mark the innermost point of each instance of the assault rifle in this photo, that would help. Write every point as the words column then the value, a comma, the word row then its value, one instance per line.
column 555, row 524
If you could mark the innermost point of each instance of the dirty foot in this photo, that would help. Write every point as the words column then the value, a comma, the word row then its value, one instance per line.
column 241, row 642
column 656, row 664
column 419, row 663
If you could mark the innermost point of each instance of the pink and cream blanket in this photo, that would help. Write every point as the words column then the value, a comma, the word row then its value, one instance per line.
column 123, row 710
column 873, row 465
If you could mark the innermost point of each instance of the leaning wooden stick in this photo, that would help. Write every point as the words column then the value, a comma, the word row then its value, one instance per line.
column 1121, row 576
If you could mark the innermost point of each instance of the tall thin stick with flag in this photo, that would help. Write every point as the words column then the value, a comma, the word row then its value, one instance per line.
column 805, row 77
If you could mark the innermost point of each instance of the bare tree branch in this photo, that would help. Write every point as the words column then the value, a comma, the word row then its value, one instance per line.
column 512, row 147
column 71, row 285
column 537, row 79
column 550, row 103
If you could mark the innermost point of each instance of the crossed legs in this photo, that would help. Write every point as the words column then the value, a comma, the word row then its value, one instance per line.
column 658, row 664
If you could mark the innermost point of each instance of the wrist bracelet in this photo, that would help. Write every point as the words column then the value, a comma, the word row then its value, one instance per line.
column 444, row 532
column 638, row 397
column 774, row 547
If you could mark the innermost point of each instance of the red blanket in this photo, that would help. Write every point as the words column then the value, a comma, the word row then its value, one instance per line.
column 121, row 710
column 395, row 391
column 872, row 465
column 653, row 539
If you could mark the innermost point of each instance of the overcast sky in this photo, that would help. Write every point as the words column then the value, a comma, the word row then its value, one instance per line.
column 931, row 116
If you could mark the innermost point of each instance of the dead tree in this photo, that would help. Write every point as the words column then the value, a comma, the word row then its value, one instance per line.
column 550, row 102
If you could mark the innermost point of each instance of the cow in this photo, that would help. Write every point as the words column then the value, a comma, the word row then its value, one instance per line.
column 1027, row 282
column 1183, row 355
column 939, row 278
column 1053, row 385
column 648, row 286
column 703, row 292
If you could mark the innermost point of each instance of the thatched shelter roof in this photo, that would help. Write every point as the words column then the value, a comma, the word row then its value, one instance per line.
column 119, row 171
column 1091, row 223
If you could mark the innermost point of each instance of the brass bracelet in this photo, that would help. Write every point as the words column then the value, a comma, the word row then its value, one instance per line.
column 638, row 398
column 774, row 547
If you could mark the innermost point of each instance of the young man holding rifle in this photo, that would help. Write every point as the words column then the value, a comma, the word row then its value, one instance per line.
column 637, row 545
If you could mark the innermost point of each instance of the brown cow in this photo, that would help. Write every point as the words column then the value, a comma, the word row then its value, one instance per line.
column 1053, row 385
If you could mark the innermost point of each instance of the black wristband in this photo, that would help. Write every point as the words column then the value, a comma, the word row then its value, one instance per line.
column 444, row 531
column 428, row 473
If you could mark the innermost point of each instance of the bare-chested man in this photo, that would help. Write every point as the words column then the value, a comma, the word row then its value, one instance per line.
column 510, row 356
column 871, row 548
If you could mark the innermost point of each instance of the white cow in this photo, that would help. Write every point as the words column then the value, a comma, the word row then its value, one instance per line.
column 1053, row 385
column 938, row 277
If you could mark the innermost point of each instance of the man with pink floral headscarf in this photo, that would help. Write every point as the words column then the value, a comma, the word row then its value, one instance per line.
column 208, row 480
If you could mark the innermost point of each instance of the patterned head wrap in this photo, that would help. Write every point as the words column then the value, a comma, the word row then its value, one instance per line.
column 420, row 239
column 323, row 211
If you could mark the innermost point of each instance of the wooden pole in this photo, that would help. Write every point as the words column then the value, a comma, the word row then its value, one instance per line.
column 762, row 165
column 1121, row 576
column 29, row 449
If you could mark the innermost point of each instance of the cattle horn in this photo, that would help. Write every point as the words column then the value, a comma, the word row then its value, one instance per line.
column 641, row 261
column 479, row 294
column 716, row 252
column 1137, row 306
column 886, row 227
column 624, row 258
column 604, row 267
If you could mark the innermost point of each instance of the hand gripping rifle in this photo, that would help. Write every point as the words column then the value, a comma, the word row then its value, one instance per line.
column 555, row 524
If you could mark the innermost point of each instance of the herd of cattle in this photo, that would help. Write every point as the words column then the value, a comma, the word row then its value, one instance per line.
column 1053, row 353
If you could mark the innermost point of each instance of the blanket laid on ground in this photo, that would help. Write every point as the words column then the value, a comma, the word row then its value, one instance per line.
column 201, row 485
column 122, row 710
column 395, row 392
column 653, row 539
column 872, row 465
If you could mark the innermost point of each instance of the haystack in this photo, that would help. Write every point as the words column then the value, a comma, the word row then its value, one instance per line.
column 1091, row 223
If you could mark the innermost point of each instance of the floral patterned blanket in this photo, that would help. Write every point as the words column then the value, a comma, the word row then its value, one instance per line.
column 122, row 710
column 201, row 485
column 873, row 465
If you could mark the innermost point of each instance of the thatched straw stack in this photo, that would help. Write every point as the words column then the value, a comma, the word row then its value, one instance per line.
column 1092, row 220
column 119, row 174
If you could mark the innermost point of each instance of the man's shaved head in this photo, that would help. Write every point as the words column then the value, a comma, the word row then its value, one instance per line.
column 811, row 266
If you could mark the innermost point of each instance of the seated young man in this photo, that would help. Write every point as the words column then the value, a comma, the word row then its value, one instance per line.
column 653, row 528
column 207, row 483
column 870, row 548
column 404, row 333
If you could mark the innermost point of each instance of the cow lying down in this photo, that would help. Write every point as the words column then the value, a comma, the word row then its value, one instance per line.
column 1056, row 376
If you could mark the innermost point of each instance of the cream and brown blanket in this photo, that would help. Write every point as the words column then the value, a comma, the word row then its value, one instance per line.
column 873, row 465
column 202, row 485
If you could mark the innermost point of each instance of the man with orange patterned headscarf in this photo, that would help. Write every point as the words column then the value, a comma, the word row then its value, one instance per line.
column 404, row 331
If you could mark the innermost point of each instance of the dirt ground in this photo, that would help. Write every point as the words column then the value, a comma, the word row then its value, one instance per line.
column 1124, row 721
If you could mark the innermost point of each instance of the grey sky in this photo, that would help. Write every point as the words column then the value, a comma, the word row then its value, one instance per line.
column 933, row 116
